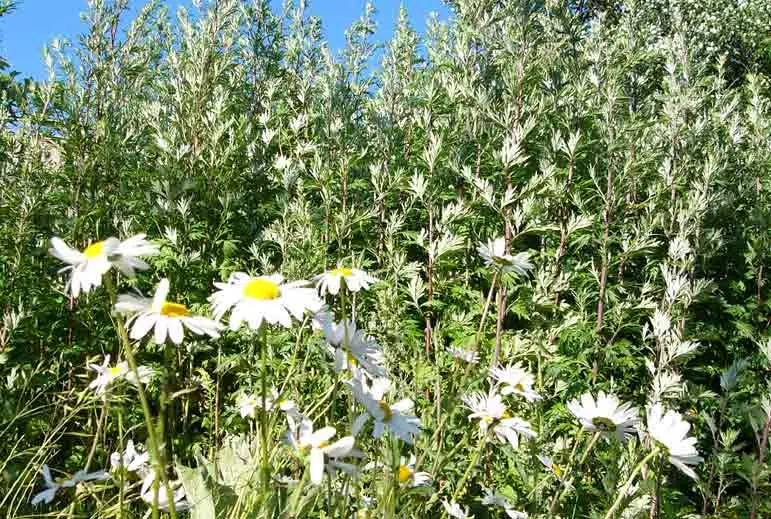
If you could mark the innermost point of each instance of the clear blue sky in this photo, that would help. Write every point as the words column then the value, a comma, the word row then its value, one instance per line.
column 34, row 23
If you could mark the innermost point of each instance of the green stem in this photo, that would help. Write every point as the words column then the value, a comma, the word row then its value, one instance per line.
column 299, row 491
column 625, row 489
column 152, row 440
column 264, row 413
column 485, row 310
column 472, row 463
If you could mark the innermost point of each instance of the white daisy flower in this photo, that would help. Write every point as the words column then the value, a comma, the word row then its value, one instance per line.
column 671, row 431
column 88, row 267
column 469, row 356
column 52, row 487
column 264, row 298
column 491, row 498
column 107, row 374
column 515, row 380
column 549, row 463
column 406, row 473
column 492, row 413
column 397, row 417
column 354, row 279
column 453, row 509
column 494, row 255
column 322, row 454
column 606, row 415
column 249, row 403
column 168, row 319
column 130, row 459
column 147, row 493
column 362, row 351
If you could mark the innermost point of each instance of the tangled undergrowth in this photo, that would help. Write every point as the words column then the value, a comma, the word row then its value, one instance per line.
column 518, row 269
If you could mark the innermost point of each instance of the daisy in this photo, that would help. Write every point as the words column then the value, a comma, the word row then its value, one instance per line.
column 264, row 298
column 553, row 467
column 491, row 498
column 131, row 459
column 249, row 403
column 168, row 319
column 322, row 454
column 515, row 380
column 492, row 413
column 469, row 356
column 494, row 255
column 405, row 472
column 671, row 431
column 607, row 415
column 354, row 279
column 94, row 261
column 52, row 487
column 147, row 493
column 359, row 352
column 107, row 374
column 453, row 509
column 396, row 417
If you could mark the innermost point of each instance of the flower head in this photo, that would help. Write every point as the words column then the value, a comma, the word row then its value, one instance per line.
column 396, row 417
column 494, row 255
column 515, row 380
column 107, row 374
column 354, row 280
column 166, row 317
column 323, row 454
column 88, row 266
column 453, row 509
column 549, row 463
column 354, row 350
column 606, row 415
column 249, row 403
column 263, row 298
column 52, row 487
column 671, row 431
column 469, row 356
column 492, row 414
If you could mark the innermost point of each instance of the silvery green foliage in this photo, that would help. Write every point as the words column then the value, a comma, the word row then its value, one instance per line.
column 611, row 142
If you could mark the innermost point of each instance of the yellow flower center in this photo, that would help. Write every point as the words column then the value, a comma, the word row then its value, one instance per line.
column 387, row 413
column 603, row 424
column 174, row 309
column 262, row 289
column 351, row 360
column 94, row 250
column 557, row 470
column 404, row 474
column 323, row 444
column 342, row 271
column 519, row 388
column 115, row 371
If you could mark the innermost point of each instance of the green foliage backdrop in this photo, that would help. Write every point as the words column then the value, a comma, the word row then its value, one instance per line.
column 625, row 146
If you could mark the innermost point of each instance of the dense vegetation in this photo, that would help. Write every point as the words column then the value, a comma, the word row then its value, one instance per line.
column 549, row 223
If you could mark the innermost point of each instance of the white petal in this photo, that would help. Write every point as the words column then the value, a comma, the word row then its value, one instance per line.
column 317, row 466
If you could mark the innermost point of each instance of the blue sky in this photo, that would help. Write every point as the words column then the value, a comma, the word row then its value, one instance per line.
column 25, row 32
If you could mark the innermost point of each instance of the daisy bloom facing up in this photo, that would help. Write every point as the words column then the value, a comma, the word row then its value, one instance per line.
column 492, row 413
column 107, row 374
column 515, row 380
column 494, row 255
column 167, row 318
column 406, row 474
column 322, row 454
column 671, row 431
column 88, row 267
column 263, row 298
column 606, row 415
column 397, row 417
column 354, row 280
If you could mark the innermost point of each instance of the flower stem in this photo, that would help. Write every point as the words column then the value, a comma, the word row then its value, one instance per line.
column 264, row 413
column 486, row 309
column 472, row 463
column 152, row 440
column 622, row 493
